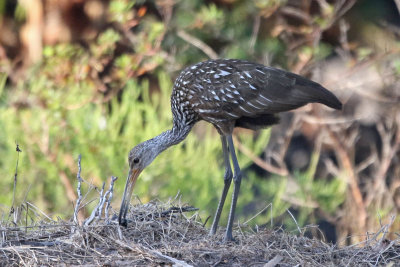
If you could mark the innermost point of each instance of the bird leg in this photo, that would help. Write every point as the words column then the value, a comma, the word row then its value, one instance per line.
column 227, row 182
column 237, row 178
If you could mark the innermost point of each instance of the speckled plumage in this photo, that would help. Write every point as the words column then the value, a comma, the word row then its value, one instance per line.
column 230, row 93
column 227, row 93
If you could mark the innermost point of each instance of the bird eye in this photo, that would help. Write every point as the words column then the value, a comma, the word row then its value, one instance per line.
column 136, row 160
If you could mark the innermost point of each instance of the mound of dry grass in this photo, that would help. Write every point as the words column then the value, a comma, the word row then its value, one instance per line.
column 161, row 234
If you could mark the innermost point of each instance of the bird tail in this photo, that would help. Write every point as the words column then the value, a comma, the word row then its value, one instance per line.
column 318, row 93
column 326, row 97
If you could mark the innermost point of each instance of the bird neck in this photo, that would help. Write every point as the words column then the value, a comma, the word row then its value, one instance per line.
column 171, row 137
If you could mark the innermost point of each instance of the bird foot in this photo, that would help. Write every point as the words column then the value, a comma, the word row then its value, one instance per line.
column 213, row 230
column 123, row 222
column 229, row 238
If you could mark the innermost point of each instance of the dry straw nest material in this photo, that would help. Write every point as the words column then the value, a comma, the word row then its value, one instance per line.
column 164, row 234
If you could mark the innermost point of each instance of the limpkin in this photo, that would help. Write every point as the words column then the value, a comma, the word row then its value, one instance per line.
column 227, row 93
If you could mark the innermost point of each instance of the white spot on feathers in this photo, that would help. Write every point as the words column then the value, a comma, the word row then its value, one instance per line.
column 247, row 74
column 224, row 73
column 252, row 87
column 260, row 71
column 263, row 97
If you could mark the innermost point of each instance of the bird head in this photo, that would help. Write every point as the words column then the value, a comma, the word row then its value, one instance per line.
column 142, row 155
column 139, row 158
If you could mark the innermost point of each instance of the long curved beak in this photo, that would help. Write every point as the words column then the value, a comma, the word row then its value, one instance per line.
column 126, row 198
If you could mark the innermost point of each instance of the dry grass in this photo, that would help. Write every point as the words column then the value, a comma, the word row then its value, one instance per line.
column 172, row 235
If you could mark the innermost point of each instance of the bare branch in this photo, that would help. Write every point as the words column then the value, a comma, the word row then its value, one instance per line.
column 110, row 192
column 256, row 29
column 78, row 189
column 97, row 210
column 198, row 43
column 258, row 161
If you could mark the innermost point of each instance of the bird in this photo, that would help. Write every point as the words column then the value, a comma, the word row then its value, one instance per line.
column 227, row 93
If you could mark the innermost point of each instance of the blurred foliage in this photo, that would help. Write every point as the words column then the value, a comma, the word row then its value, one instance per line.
column 99, row 96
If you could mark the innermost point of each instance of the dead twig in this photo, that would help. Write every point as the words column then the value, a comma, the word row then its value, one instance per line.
column 198, row 43
column 258, row 161
column 96, row 213
column 256, row 29
column 105, row 198
column 110, row 196
column 156, row 253
column 352, row 180
column 78, row 190
column 275, row 261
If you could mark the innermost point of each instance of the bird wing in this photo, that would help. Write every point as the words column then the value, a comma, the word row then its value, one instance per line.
column 233, row 88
